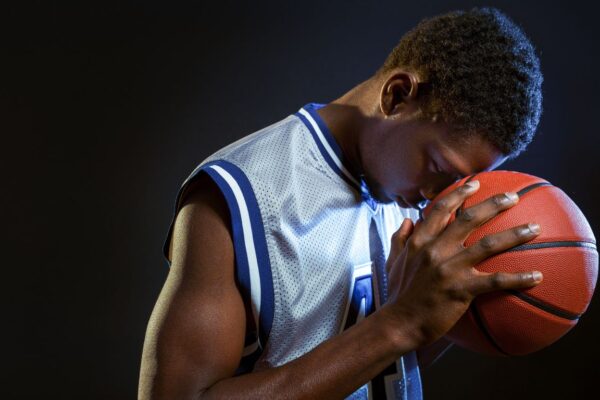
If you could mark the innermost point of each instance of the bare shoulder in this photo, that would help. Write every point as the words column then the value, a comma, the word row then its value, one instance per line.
column 202, row 218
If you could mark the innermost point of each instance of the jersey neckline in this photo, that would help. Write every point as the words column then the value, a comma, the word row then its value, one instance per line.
column 332, row 152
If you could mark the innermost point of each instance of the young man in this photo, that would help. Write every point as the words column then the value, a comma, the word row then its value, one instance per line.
column 295, row 268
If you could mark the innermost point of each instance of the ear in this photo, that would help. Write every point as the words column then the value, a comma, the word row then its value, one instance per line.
column 399, row 89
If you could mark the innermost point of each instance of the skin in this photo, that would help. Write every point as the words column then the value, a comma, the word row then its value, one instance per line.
column 405, row 158
column 191, row 350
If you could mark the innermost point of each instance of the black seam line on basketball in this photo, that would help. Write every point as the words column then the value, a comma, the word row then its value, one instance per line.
column 529, row 188
column 545, row 245
column 543, row 306
column 484, row 329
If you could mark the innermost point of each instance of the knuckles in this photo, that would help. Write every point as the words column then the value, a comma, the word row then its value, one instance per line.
column 499, row 200
column 496, row 281
column 441, row 205
column 414, row 243
column 430, row 255
column 488, row 243
column 466, row 216
column 456, row 291
column 445, row 273
column 517, row 233
column 452, row 282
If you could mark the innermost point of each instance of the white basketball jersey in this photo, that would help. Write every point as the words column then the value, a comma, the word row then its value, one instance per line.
column 300, row 224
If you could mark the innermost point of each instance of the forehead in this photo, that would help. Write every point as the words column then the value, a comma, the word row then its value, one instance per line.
column 469, row 155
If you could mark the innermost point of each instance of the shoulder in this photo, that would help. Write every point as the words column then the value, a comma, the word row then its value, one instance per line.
column 203, row 217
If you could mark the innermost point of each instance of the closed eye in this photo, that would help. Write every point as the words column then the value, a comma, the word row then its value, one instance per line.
column 436, row 168
column 440, row 170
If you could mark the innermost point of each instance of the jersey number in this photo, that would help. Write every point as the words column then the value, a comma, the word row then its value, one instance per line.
column 361, row 304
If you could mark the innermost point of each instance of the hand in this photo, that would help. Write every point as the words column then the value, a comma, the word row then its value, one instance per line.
column 432, row 276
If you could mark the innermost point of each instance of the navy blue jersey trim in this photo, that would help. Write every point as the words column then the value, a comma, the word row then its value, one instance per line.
column 241, row 256
column 245, row 197
column 311, row 109
column 259, row 239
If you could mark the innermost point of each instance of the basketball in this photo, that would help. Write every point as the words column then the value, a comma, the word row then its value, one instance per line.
column 519, row 322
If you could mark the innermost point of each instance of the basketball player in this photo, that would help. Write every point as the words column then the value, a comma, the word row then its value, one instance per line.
column 296, row 267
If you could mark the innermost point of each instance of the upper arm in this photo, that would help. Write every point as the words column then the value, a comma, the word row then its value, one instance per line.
column 195, row 336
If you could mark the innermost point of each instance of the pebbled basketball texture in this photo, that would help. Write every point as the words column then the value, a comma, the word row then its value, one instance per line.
column 525, row 321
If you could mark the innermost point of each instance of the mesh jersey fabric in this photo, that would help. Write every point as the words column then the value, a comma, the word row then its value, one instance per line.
column 300, row 225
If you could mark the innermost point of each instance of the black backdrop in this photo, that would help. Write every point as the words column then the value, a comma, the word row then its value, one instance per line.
column 108, row 107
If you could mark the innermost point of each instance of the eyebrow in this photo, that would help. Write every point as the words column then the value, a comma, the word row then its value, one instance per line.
column 448, row 166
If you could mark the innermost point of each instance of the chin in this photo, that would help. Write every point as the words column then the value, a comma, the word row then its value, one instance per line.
column 379, row 193
column 403, row 203
column 384, row 198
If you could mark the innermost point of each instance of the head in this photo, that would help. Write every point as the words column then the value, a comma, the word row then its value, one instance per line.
column 459, row 94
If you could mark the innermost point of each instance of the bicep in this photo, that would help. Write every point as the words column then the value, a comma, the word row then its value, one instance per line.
column 195, row 336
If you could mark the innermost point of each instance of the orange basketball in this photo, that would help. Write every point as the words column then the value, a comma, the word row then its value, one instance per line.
column 524, row 321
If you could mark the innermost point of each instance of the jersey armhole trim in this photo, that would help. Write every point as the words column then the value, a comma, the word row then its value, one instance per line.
column 252, row 264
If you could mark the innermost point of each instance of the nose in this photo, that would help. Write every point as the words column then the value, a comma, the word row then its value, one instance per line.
column 428, row 193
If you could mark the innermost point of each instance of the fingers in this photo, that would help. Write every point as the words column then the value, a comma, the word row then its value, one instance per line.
column 490, row 245
column 496, row 243
column 443, row 208
column 472, row 217
column 483, row 283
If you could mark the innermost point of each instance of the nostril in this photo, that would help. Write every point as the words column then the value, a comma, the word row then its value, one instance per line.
column 427, row 194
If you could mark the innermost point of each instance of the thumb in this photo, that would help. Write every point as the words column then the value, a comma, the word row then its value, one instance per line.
column 399, row 239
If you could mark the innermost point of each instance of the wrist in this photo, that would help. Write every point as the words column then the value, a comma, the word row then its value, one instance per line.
column 400, row 329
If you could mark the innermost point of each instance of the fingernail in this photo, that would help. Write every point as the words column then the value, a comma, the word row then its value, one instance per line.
column 512, row 197
column 537, row 276
column 471, row 185
column 534, row 228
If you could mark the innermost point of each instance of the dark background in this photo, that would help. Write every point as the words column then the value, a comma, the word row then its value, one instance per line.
column 108, row 107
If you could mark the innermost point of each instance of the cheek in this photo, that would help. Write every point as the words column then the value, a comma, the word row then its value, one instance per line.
column 406, row 171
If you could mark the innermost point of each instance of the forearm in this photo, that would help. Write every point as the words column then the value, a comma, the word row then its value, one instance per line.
column 334, row 369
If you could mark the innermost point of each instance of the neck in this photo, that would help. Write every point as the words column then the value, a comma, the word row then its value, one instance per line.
column 347, row 118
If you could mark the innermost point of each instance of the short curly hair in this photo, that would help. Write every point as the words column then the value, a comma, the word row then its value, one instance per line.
column 483, row 74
